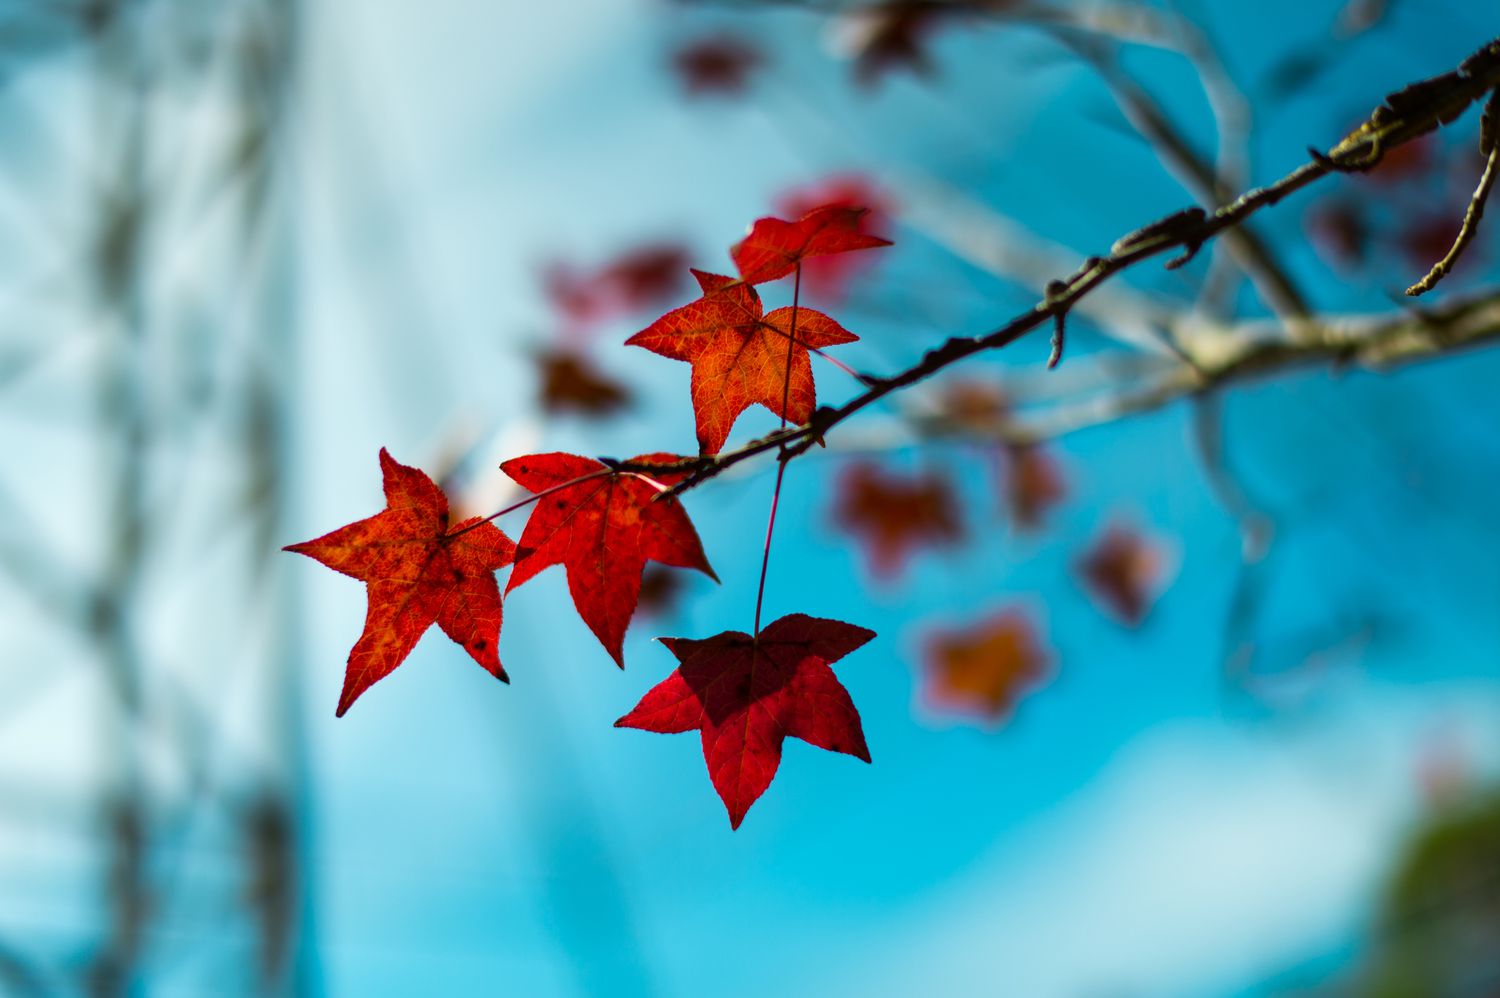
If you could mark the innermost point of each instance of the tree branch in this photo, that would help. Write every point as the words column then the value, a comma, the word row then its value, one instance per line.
column 1405, row 115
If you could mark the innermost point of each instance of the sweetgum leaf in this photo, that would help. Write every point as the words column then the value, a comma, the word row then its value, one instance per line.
column 893, row 516
column 747, row 695
column 417, row 571
column 602, row 530
column 984, row 669
column 739, row 354
column 1123, row 571
column 775, row 246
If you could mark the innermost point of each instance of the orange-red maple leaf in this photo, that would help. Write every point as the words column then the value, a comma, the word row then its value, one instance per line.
column 417, row 571
column 986, row 668
column 602, row 526
column 1123, row 572
column 893, row 515
column 739, row 354
column 747, row 695
column 775, row 246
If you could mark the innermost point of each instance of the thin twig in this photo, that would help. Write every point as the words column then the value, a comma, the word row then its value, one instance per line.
column 1466, row 232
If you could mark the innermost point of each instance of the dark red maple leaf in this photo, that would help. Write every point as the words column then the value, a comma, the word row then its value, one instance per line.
column 646, row 275
column 661, row 591
column 602, row 529
column 985, row 668
column 740, row 354
column 893, row 515
column 417, row 571
column 1122, row 572
column 774, row 246
column 828, row 277
column 571, row 383
column 640, row 277
column 718, row 64
column 574, row 293
column 1033, row 485
column 747, row 695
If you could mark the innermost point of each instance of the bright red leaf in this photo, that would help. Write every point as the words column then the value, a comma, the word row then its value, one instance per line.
column 417, row 571
column 893, row 516
column 602, row 527
column 1123, row 571
column 747, row 695
column 986, row 668
column 739, row 354
column 775, row 246
column 827, row 277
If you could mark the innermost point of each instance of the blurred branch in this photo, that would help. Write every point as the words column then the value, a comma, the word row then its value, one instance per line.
column 1242, row 351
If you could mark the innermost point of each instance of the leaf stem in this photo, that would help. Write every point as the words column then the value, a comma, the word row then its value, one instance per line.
column 786, row 395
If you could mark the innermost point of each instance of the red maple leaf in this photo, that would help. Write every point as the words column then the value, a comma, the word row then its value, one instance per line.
column 739, row 354
column 602, row 527
column 637, row 278
column 571, row 383
column 661, row 591
column 417, row 571
column 1123, row 571
column 775, row 246
column 893, row 515
column 828, row 277
column 985, row 668
column 747, row 695
column 1033, row 485
column 716, row 65
column 646, row 275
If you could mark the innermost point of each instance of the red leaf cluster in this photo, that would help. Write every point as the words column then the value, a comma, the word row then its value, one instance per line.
column 603, row 524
